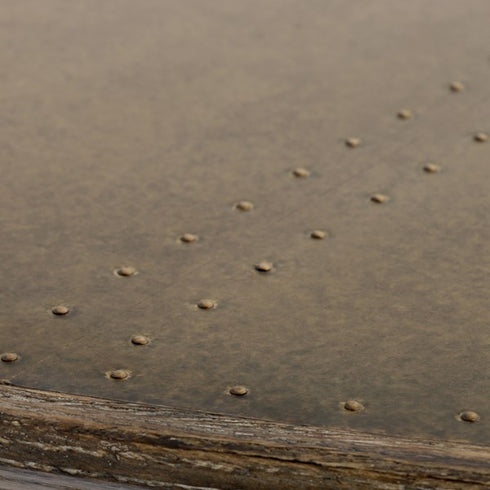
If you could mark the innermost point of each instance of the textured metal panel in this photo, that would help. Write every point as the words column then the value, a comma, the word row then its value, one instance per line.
column 246, row 126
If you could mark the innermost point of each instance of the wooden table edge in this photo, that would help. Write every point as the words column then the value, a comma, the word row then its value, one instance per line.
column 160, row 446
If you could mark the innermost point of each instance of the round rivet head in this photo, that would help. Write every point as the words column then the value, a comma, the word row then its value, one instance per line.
column 207, row 304
column 353, row 406
column 457, row 86
column 301, row 173
column 60, row 310
column 9, row 357
column 469, row 416
column 404, row 114
column 126, row 271
column 431, row 168
column 189, row 238
column 481, row 137
column 352, row 142
column 238, row 390
column 139, row 340
column 119, row 374
column 263, row 266
column 379, row 198
column 244, row 206
column 318, row 234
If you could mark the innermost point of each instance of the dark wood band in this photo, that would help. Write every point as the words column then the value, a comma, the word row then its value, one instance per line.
column 155, row 445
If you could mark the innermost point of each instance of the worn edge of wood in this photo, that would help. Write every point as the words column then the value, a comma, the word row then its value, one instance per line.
column 160, row 446
column 21, row 479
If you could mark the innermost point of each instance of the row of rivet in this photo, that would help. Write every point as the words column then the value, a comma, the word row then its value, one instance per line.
column 406, row 114
column 239, row 390
column 429, row 168
column 479, row 137
column 191, row 238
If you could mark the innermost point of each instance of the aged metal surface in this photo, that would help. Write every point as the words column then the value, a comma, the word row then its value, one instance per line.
column 285, row 196
column 174, row 448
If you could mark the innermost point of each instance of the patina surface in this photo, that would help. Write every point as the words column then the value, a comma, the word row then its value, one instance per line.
column 126, row 125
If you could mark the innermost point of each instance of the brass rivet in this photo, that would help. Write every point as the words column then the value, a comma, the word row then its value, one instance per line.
column 238, row 390
column 139, row 340
column 264, row 266
column 431, row 168
column 353, row 406
column 60, row 310
column 353, row 142
column 318, row 234
column 126, row 271
column 301, row 172
column 481, row 137
column 244, row 206
column 9, row 357
column 404, row 114
column 379, row 198
column 469, row 416
column 119, row 374
column 457, row 86
column 207, row 304
column 189, row 238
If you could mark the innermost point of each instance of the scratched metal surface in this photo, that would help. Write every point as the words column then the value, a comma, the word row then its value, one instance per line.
column 127, row 124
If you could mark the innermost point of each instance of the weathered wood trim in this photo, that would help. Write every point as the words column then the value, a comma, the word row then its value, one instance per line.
column 166, row 447
column 19, row 479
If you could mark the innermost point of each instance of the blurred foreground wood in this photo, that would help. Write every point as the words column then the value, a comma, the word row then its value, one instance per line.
column 161, row 447
column 20, row 479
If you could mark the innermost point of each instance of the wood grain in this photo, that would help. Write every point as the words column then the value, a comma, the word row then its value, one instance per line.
column 161, row 446
column 19, row 479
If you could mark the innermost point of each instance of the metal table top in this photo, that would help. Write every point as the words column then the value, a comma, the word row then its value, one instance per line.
column 157, row 154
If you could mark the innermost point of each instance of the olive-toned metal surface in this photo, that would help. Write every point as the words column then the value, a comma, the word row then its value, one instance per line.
column 126, row 125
